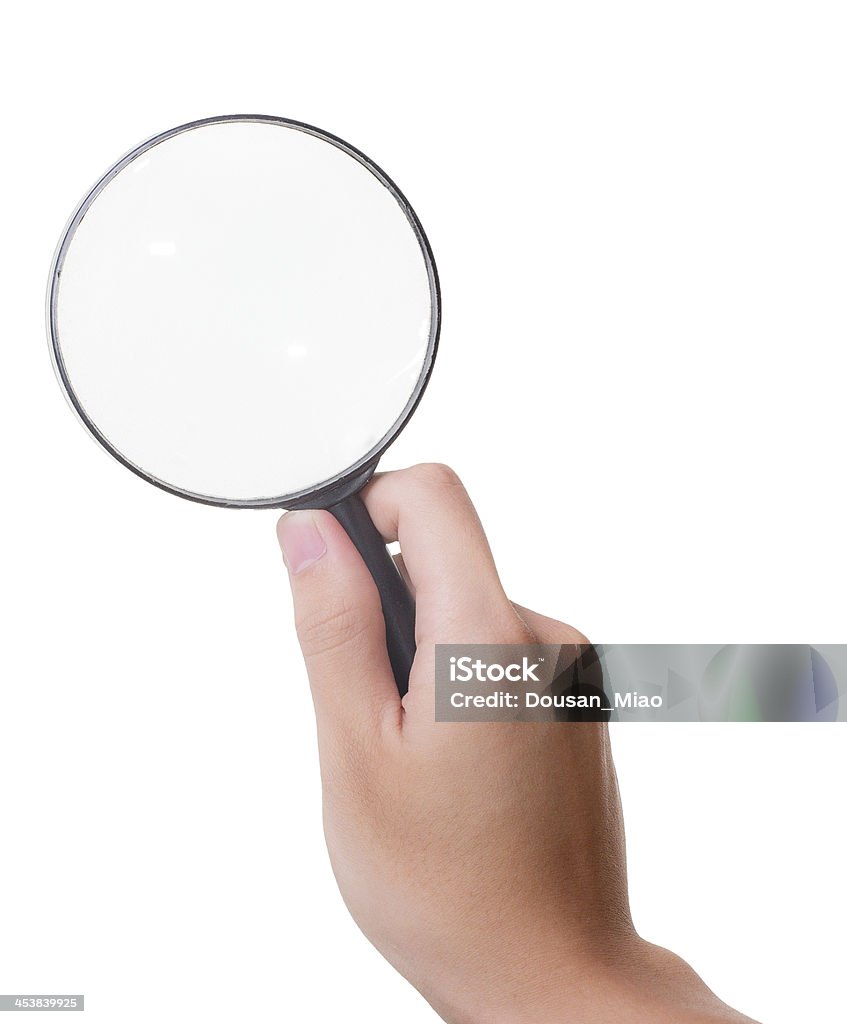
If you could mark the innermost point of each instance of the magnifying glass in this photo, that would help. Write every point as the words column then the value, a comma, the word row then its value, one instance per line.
column 244, row 311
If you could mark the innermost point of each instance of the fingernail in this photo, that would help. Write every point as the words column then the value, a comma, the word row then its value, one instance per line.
column 301, row 541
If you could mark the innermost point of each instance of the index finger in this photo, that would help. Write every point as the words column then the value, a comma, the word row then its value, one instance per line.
column 460, row 598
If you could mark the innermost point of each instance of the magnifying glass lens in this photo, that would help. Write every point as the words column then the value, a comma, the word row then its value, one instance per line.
column 244, row 311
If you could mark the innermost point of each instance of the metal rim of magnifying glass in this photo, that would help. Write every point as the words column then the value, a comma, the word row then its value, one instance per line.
column 326, row 492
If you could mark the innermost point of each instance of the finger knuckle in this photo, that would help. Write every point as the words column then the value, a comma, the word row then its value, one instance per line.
column 578, row 638
column 328, row 628
column 565, row 634
column 435, row 476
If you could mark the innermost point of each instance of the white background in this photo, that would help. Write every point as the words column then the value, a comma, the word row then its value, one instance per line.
column 640, row 218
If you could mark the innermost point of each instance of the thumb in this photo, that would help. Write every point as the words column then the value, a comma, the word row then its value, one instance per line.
column 339, row 624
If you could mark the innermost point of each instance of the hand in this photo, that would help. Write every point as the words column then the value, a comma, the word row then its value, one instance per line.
column 485, row 861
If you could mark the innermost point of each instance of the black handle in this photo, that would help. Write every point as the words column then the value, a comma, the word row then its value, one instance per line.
column 398, row 607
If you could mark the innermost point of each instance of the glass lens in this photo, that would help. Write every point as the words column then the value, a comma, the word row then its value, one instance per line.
column 244, row 311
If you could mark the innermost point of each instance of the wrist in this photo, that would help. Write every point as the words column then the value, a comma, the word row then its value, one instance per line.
column 629, row 981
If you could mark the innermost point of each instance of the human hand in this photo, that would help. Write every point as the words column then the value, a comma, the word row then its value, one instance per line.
column 484, row 860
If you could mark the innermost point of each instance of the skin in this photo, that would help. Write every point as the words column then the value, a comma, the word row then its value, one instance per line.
column 466, row 852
